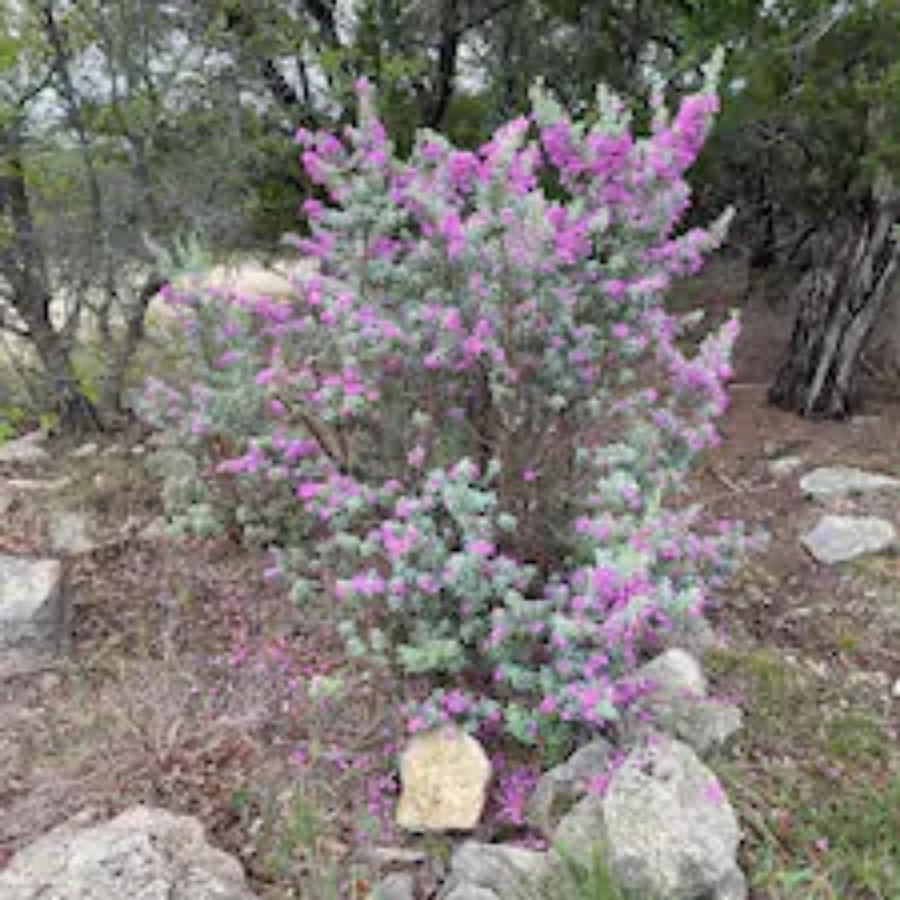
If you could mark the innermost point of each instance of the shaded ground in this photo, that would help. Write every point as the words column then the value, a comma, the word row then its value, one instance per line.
column 189, row 682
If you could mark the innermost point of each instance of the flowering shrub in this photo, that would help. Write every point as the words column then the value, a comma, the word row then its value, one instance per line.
column 482, row 410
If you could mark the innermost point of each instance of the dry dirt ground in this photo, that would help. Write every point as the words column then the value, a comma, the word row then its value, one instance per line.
column 186, row 685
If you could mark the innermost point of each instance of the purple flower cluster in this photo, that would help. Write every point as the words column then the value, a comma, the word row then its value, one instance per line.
column 461, row 387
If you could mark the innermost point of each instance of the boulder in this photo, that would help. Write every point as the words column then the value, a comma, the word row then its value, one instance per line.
column 142, row 854
column 26, row 450
column 837, row 539
column 560, row 788
column 35, row 612
column 837, row 481
column 444, row 775
column 668, row 828
column 494, row 872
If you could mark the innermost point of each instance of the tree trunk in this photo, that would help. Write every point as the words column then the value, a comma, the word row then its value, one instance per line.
column 24, row 267
column 76, row 414
column 840, row 301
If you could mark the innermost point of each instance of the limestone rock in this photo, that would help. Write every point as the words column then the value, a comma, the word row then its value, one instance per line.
column 674, row 673
column 470, row 892
column 142, row 854
column 494, row 871
column 27, row 450
column 38, row 485
column 669, row 829
column 838, row 539
column 85, row 451
column 784, row 465
column 444, row 775
column 69, row 533
column 559, row 789
column 396, row 886
column 836, row 481
column 35, row 612
column 679, row 705
column 582, row 830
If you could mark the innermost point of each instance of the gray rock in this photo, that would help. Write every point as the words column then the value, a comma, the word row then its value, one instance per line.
column 784, row 465
column 837, row 539
column 669, row 829
column 26, row 450
column 582, row 830
column 7, row 499
column 35, row 612
column 680, row 707
column 504, row 872
column 693, row 634
column 674, row 673
column 895, row 690
column 85, row 451
column 69, row 533
column 38, row 485
column 559, row 789
column 837, row 481
column 142, row 854
column 396, row 886
column 470, row 892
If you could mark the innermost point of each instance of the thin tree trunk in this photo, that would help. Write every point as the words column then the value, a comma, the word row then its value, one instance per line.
column 24, row 267
column 841, row 300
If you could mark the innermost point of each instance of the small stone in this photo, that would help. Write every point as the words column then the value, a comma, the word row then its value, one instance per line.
column 38, row 485
column 444, row 775
column 35, row 613
column 69, row 534
column 837, row 539
column 784, row 465
column 26, row 450
column 895, row 690
column 837, row 481
column 84, row 451
column 396, row 886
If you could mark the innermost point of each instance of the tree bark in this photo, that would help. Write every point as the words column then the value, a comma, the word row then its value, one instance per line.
column 24, row 267
column 841, row 299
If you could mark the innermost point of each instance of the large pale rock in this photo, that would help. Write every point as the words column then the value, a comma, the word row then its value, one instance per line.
column 142, row 854
column 444, row 775
column 837, row 481
column 679, row 706
column 669, row 829
column 837, row 539
column 35, row 612
column 27, row 450
column 560, row 788
column 494, row 872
